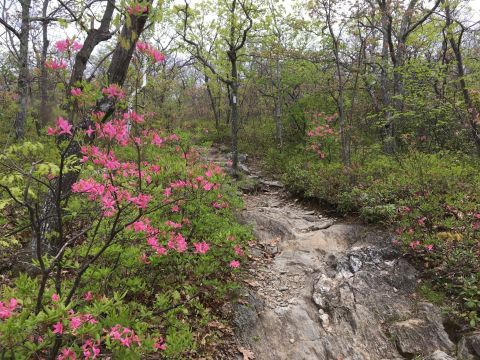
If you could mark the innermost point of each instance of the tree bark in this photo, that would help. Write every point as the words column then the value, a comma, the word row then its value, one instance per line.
column 23, row 73
column 213, row 103
column 278, row 103
column 473, row 114
column 45, row 106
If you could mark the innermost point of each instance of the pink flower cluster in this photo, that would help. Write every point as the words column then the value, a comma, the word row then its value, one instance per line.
column 150, row 51
column 67, row 354
column 90, row 350
column 415, row 245
column 115, row 129
column 125, row 336
column 63, row 127
column 160, row 345
column 137, row 9
column 201, row 247
column 133, row 116
column 110, row 196
column 113, row 91
column 6, row 309
column 74, row 322
column 55, row 64
column 76, row 92
column 67, row 45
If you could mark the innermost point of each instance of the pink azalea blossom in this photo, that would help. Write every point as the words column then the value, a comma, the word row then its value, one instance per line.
column 67, row 354
column 76, row 92
column 113, row 91
column 88, row 296
column 75, row 323
column 90, row 350
column 238, row 250
column 55, row 64
column 414, row 244
column 150, row 51
column 63, row 127
column 137, row 9
column 208, row 186
column 7, row 309
column 234, row 264
column 58, row 328
column 201, row 248
column 89, row 131
column 160, row 345
column 125, row 336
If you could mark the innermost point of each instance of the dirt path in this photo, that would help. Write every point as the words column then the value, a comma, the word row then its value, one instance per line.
column 322, row 289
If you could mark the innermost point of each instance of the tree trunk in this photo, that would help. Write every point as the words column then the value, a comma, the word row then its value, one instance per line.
column 473, row 114
column 212, row 103
column 388, row 130
column 45, row 106
column 234, row 115
column 278, row 104
column 23, row 73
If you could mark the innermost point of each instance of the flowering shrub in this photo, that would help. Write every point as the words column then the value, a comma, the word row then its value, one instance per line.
column 150, row 51
column 322, row 136
column 144, row 238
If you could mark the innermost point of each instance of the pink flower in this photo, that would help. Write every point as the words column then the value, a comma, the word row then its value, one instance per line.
column 90, row 350
column 125, row 336
column 6, row 310
column 58, row 328
column 62, row 45
column 113, row 92
column 141, row 200
column 234, row 264
column 55, row 297
column 201, row 248
column 62, row 127
column 150, row 51
column 54, row 64
column 89, row 131
column 67, row 354
column 181, row 244
column 414, row 244
column 429, row 247
column 133, row 116
column 238, row 250
column 76, row 92
column 160, row 345
column 88, row 296
column 67, row 45
column 208, row 186
column 137, row 9
column 77, row 46
column 157, row 140
column 173, row 224
column 421, row 221
column 75, row 323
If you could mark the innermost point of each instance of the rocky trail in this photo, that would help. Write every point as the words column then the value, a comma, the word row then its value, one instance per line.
column 319, row 288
